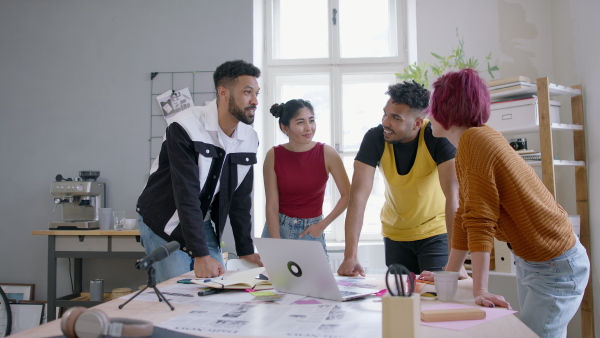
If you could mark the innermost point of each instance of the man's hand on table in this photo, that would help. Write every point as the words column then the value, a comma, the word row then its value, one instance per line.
column 350, row 267
column 207, row 267
column 253, row 258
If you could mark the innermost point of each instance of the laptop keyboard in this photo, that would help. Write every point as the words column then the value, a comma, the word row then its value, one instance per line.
column 348, row 293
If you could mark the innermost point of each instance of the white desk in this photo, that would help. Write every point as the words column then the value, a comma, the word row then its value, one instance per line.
column 508, row 326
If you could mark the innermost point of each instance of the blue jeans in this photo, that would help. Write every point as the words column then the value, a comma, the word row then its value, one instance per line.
column 291, row 228
column 550, row 292
column 178, row 262
column 429, row 254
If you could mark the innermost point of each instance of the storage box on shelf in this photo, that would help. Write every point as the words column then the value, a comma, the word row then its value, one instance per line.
column 520, row 115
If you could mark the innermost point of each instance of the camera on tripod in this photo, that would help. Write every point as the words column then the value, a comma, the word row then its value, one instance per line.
column 518, row 143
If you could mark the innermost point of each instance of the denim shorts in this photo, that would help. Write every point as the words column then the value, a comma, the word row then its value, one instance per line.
column 292, row 227
column 550, row 292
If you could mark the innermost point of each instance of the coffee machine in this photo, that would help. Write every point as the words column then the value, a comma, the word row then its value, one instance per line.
column 81, row 200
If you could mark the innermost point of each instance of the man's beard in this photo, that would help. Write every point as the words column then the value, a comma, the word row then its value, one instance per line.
column 239, row 113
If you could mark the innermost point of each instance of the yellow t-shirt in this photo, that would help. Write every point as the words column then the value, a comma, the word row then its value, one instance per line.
column 414, row 205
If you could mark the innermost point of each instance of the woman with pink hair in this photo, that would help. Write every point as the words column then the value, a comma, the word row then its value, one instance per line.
column 500, row 196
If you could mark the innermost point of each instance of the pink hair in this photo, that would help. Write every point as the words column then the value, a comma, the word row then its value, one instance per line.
column 460, row 99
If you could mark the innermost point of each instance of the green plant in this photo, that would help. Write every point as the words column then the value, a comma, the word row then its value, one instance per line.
column 455, row 61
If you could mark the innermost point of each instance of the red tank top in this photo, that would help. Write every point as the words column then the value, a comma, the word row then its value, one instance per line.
column 301, row 179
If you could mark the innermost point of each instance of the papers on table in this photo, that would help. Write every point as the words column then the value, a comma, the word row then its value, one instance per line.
column 323, row 320
column 176, row 293
column 188, row 294
column 237, row 312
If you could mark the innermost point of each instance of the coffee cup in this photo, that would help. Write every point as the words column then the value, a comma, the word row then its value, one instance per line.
column 446, row 284
column 130, row 223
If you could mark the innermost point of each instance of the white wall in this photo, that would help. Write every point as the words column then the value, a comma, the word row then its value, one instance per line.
column 534, row 38
column 75, row 93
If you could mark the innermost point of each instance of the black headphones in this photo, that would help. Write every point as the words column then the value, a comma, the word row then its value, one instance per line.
column 79, row 322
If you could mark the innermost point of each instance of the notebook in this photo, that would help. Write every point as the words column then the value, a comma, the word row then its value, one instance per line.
column 245, row 279
column 301, row 267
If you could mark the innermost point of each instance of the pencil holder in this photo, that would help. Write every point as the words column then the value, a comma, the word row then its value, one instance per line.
column 401, row 316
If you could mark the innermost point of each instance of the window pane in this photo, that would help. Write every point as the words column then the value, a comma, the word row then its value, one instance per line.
column 363, row 99
column 311, row 87
column 367, row 30
column 300, row 29
column 372, row 221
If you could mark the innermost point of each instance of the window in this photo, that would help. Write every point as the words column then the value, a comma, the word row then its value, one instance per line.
column 341, row 55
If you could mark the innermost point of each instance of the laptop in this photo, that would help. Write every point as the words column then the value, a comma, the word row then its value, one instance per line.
column 301, row 267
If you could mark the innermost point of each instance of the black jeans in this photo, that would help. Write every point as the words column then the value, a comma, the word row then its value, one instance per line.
column 429, row 254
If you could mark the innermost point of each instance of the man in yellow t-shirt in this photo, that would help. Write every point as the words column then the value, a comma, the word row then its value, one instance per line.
column 421, row 190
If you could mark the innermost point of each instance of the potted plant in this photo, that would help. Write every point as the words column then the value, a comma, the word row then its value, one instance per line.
column 456, row 60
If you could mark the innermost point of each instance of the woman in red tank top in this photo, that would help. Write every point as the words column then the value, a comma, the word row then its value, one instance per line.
column 296, row 174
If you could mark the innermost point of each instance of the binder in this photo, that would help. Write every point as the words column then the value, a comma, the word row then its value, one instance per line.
column 532, row 157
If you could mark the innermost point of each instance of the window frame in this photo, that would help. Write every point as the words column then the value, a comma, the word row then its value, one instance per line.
column 402, row 8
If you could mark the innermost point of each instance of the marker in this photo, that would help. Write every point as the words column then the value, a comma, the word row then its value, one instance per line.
column 429, row 296
column 210, row 291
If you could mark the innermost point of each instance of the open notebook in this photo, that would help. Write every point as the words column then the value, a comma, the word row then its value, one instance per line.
column 245, row 279
column 301, row 267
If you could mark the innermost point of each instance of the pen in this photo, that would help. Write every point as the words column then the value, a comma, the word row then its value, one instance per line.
column 210, row 291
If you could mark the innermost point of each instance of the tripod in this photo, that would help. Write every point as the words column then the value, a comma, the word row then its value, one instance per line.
column 151, row 284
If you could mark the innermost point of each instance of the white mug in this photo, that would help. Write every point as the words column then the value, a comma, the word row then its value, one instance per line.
column 446, row 284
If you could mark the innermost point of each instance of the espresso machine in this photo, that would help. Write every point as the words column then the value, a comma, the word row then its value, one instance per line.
column 81, row 200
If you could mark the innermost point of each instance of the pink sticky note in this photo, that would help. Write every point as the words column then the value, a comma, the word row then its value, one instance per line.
column 459, row 325
column 307, row 301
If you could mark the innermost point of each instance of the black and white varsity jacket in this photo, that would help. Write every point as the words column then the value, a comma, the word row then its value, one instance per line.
column 200, row 171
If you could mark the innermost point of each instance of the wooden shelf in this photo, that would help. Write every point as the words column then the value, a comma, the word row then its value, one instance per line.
column 558, row 163
column 553, row 90
column 553, row 126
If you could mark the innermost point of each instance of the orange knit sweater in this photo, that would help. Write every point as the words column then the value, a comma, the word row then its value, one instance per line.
column 501, row 196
